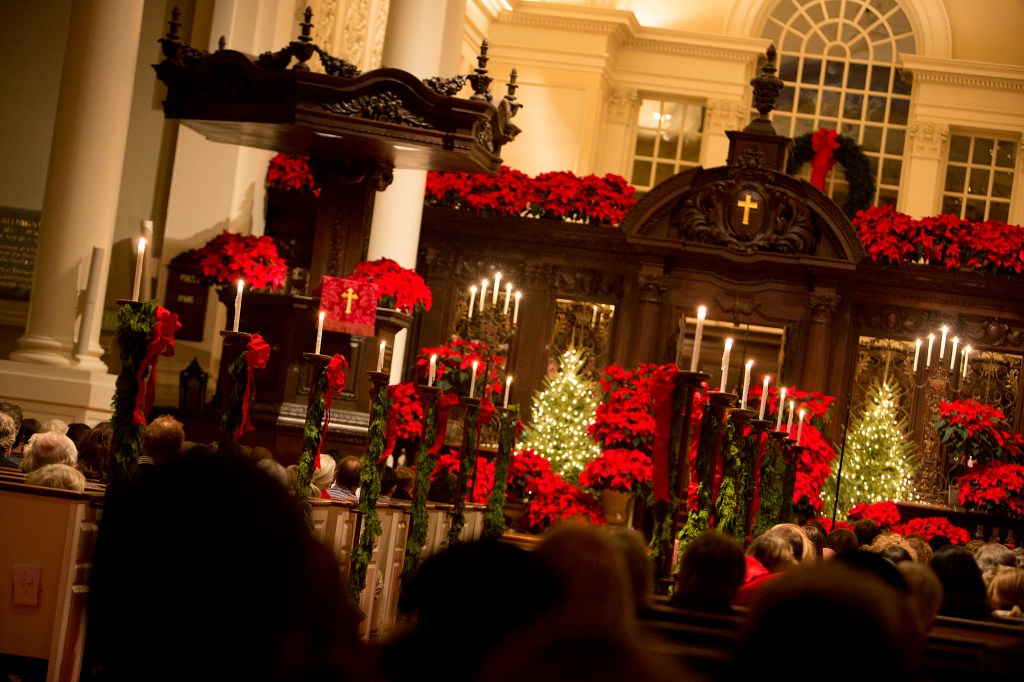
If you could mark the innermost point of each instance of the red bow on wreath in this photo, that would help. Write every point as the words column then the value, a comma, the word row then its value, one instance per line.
column 336, row 373
column 161, row 342
column 256, row 355
column 823, row 143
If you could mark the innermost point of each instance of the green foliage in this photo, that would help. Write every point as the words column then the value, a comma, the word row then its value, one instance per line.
column 856, row 166
column 134, row 324
column 772, row 470
column 710, row 431
column 661, row 538
column 745, row 494
column 369, row 492
column 790, row 457
column 311, row 436
column 725, row 505
column 466, row 468
column 494, row 518
column 418, row 521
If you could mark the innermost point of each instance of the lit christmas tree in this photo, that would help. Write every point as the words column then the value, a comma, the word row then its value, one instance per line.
column 561, row 414
column 880, row 461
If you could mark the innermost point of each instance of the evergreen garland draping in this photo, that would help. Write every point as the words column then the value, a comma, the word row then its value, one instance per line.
column 664, row 510
column 418, row 519
column 135, row 322
column 745, row 493
column 494, row 518
column 311, row 437
column 238, row 371
column 772, row 470
column 697, row 522
column 466, row 468
column 726, row 516
column 856, row 167
column 369, row 492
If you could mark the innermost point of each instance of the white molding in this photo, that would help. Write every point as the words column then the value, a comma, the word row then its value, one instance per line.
column 983, row 75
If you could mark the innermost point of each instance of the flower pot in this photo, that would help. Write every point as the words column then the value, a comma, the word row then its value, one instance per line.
column 617, row 507
column 954, row 497
column 513, row 510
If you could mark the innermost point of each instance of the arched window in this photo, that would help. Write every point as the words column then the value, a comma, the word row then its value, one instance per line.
column 838, row 59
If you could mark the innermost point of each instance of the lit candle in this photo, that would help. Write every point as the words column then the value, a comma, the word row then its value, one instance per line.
column 928, row 360
column 764, row 396
column 380, row 356
column 497, row 285
column 593, row 318
column 483, row 293
column 746, row 384
column 137, row 286
column 508, row 297
column 472, row 381
column 942, row 343
column 952, row 355
column 725, row 364
column 800, row 427
column 782, row 405
column 789, row 420
column 515, row 311
column 917, row 352
column 319, row 332
column 432, row 376
column 702, row 312
column 472, row 300
column 508, row 389
column 238, row 304
column 967, row 354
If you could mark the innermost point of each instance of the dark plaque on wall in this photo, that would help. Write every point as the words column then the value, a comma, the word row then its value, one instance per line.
column 19, row 236
column 186, row 295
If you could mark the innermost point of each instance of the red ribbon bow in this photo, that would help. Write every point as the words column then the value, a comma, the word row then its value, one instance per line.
column 256, row 355
column 823, row 143
column 444, row 404
column 161, row 342
column 663, row 385
column 336, row 373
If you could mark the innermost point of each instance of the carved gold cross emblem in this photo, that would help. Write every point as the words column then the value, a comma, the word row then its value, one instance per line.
column 351, row 295
column 746, row 205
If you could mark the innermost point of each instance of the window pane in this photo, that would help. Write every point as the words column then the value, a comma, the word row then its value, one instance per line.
column 975, row 210
column 883, row 52
column 901, row 83
column 806, row 102
column 667, row 145
column 650, row 112
column 958, row 147
column 891, row 171
column 671, row 116
column 876, row 109
column 814, row 44
column 895, row 140
column 906, row 45
column 803, row 125
column 956, row 177
column 899, row 23
column 641, row 173
column 880, row 78
column 787, row 68
column 852, row 108
column 781, row 123
column 872, row 141
column 984, row 150
column 812, row 71
column 857, row 76
column 834, row 72
column 952, row 205
column 999, row 211
column 785, row 100
column 850, row 130
column 1006, row 154
column 829, row 103
column 664, row 172
column 691, row 149
column 886, row 197
column 644, row 143
column 1002, row 184
column 978, row 181
column 693, row 121
column 899, row 111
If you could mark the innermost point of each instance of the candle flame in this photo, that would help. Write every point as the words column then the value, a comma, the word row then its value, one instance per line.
column 322, row 315
column 702, row 312
column 728, row 343
column 473, row 289
column 241, row 285
column 750, row 363
column 142, row 245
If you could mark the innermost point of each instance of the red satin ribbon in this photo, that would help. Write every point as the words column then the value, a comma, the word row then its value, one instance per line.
column 662, row 388
column 444, row 404
column 336, row 373
column 161, row 342
column 256, row 355
column 823, row 143
column 390, row 435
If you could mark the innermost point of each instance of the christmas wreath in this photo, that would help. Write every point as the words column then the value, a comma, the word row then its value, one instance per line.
column 824, row 149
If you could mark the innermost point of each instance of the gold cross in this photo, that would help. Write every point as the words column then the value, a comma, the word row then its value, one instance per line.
column 746, row 205
column 351, row 295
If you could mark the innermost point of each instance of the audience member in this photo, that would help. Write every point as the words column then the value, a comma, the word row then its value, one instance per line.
column 1006, row 593
column 1018, row 555
column 49, row 447
column 12, row 454
column 866, row 531
column 991, row 556
column 841, row 540
column 323, row 477
column 924, row 590
column 60, row 476
column 275, row 470
column 347, row 478
column 406, row 483
column 964, row 594
column 937, row 541
column 710, row 573
column 638, row 565
column 876, row 566
column 442, row 489
column 29, row 427
column 77, row 431
column 893, row 547
column 58, row 425
column 803, row 548
column 768, row 556
column 96, row 453
column 922, row 550
column 814, row 532
column 8, row 434
column 162, row 440
column 974, row 545
column 388, row 483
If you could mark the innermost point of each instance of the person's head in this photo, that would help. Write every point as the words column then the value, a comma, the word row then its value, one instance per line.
column 49, row 447
column 60, row 476
column 276, row 470
column 710, row 573
column 963, row 589
column 841, row 540
column 893, row 547
column 349, row 469
column 58, row 425
column 638, row 564
column 973, row 546
column 323, row 477
column 774, row 551
column 990, row 556
column 815, row 533
column 96, row 452
column 937, row 541
column 406, row 483
column 924, row 589
column 442, row 489
column 388, row 481
column 14, row 412
column 8, row 433
column 922, row 551
column 29, row 427
column 163, row 438
column 866, row 530
column 803, row 548
column 77, row 431
column 1006, row 589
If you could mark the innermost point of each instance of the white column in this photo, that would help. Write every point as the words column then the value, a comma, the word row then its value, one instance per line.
column 83, row 177
column 921, row 178
column 418, row 34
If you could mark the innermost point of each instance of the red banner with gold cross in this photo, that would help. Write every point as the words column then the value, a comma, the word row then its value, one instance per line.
column 350, row 306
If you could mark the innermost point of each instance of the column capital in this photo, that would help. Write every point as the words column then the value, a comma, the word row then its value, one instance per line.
column 822, row 307
column 652, row 287
column 622, row 105
column 927, row 138
column 725, row 114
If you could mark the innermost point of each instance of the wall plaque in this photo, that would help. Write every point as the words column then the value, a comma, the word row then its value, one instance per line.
column 19, row 237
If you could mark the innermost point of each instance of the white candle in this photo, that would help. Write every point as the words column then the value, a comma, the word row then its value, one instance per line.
column 593, row 318
column 508, row 297
column 497, row 286
column 917, row 352
column 782, row 405
column 472, row 381
column 432, row 376
column 800, row 428
column 137, row 286
column 942, row 343
column 967, row 354
column 789, row 420
column 472, row 300
column 746, row 384
column 380, row 356
column 238, row 304
column 928, row 360
column 515, row 311
column 952, row 355
column 483, row 293
column 725, row 364
column 702, row 312
column 508, row 389
column 764, row 396
column 319, row 332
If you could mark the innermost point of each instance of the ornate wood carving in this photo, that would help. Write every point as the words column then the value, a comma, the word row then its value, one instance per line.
column 385, row 107
column 652, row 287
column 823, row 307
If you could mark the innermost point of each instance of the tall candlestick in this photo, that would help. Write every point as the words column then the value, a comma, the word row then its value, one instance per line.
column 782, row 406
column 508, row 389
column 497, row 286
column 746, row 384
column 800, row 427
column 508, row 297
column 702, row 312
column 483, row 293
column 380, row 356
column 432, row 375
column 472, row 381
column 789, row 420
column 928, row 360
column 725, row 364
column 319, row 332
column 917, row 352
column 515, row 311
column 942, row 343
column 238, row 304
column 137, row 286
column 952, row 355
column 764, row 396
column 963, row 364
column 472, row 300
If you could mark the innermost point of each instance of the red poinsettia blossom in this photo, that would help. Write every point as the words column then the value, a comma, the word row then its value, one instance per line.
column 525, row 468
column 621, row 470
column 829, row 526
column 625, row 415
column 291, row 172
column 973, row 430
column 478, row 488
column 408, row 409
column 994, row 487
column 813, row 467
column 930, row 526
column 229, row 257
column 455, row 367
column 885, row 514
column 555, row 500
column 398, row 287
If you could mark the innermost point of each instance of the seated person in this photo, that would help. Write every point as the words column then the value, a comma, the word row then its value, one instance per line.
column 8, row 433
column 347, row 480
column 29, row 427
column 60, row 476
column 96, row 453
column 323, row 478
column 710, row 573
column 1006, row 593
column 49, row 447
column 388, row 483
column 767, row 557
column 406, row 483
column 162, row 440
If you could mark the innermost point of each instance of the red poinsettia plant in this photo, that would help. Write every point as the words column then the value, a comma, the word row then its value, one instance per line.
column 829, row 526
column 895, row 238
column 812, row 468
column 930, row 526
column 478, row 489
column 455, row 367
column 561, row 195
column 229, row 257
column 621, row 470
column 885, row 513
column 973, row 431
column 994, row 487
column 291, row 172
column 554, row 500
column 397, row 287
column 817, row 405
column 625, row 417
column 407, row 409
column 526, row 466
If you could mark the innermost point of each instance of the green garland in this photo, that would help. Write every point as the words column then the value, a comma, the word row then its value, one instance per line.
column 788, row 484
column 494, row 518
column 710, row 431
column 726, row 518
column 466, row 468
column 770, row 489
column 311, row 437
column 664, row 511
column 419, row 521
column 369, row 492
column 748, row 460
column 856, row 167
column 135, row 323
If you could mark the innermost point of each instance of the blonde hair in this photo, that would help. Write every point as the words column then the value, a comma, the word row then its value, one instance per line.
column 60, row 476
column 1006, row 589
column 324, row 476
